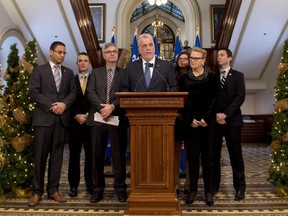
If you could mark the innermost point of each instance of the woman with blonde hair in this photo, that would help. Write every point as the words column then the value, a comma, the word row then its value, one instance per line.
column 199, row 114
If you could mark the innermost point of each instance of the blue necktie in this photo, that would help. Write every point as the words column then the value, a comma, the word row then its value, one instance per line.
column 147, row 74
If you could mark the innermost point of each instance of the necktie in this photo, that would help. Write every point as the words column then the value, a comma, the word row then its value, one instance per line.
column 57, row 76
column 83, row 84
column 109, row 82
column 223, row 79
column 147, row 74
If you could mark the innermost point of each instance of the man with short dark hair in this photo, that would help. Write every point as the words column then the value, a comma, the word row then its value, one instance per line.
column 79, row 132
column 53, row 90
column 230, row 122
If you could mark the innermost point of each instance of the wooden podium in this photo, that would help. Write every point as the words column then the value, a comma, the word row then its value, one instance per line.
column 152, row 117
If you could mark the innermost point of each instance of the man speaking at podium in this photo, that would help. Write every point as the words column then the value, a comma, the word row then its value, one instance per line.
column 149, row 74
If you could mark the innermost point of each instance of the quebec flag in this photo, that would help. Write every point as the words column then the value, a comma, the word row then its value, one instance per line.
column 197, row 42
column 113, row 39
column 177, row 48
column 155, row 43
column 134, row 54
column 113, row 35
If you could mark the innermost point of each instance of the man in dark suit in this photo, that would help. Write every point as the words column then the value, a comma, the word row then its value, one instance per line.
column 149, row 74
column 53, row 90
column 79, row 132
column 102, row 85
column 229, row 119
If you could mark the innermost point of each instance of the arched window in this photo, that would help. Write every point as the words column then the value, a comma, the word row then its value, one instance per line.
column 165, row 40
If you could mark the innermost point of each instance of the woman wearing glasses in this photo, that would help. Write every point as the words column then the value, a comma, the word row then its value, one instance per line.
column 199, row 114
column 181, row 67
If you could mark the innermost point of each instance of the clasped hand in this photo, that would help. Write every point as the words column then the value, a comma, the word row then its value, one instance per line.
column 195, row 123
column 58, row 108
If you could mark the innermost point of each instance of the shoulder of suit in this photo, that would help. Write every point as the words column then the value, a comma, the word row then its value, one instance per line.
column 235, row 72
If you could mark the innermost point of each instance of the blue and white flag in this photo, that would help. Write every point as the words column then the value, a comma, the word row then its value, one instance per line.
column 113, row 35
column 155, row 43
column 134, row 54
column 177, row 47
column 197, row 41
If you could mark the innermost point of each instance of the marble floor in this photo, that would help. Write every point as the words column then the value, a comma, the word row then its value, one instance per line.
column 260, row 194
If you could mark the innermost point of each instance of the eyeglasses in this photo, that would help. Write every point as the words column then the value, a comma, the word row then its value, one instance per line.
column 183, row 59
column 195, row 58
column 60, row 52
column 110, row 52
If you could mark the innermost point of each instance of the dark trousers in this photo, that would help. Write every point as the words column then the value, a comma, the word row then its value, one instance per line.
column 99, row 135
column 79, row 137
column 232, row 135
column 48, row 141
column 199, row 143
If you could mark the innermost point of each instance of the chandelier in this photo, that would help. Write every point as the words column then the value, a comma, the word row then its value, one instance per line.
column 157, row 23
column 158, row 2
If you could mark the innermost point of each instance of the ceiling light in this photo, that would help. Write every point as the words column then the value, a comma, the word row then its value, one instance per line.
column 158, row 2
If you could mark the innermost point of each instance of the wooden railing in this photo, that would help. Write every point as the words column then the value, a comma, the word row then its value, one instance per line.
column 228, row 21
column 85, row 23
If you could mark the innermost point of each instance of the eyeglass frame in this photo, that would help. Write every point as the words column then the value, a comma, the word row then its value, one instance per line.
column 109, row 52
column 195, row 58
column 60, row 52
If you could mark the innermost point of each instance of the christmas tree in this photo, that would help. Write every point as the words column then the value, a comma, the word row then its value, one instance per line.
column 16, row 151
column 278, row 172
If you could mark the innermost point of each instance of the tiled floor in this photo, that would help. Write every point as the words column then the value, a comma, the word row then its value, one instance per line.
column 260, row 194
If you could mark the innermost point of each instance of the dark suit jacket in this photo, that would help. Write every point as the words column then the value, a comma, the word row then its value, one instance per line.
column 163, row 78
column 96, row 92
column 43, row 91
column 231, row 97
column 81, row 105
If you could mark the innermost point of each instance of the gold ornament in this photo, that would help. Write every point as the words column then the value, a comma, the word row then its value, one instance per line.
column 2, row 161
column 281, row 105
column 281, row 192
column 1, row 142
column 3, row 198
column 283, row 67
column 285, row 137
column 18, row 191
column 20, row 116
column 12, row 102
column 275, row 145
column 26, row 65
column 2, row 104
column 20, row 143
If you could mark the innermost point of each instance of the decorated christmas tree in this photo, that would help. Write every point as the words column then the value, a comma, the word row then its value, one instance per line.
column 278, row 172
column 16, row 152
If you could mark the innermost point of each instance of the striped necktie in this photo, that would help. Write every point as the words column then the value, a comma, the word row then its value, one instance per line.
column 83, row 84
column 223, row 79
column 147, row 74
column 57, row 76
column 109, row 82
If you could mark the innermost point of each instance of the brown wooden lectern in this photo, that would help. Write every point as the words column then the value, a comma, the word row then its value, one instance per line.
column 152, row 117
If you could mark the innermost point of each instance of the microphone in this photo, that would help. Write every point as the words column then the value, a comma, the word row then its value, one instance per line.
column 138, row 82
column 167, row 86
column 151, row 64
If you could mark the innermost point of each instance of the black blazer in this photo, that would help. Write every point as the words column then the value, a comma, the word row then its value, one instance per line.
column 81, row 105
column 96, row 92
column 43, row 92
column 231, row 97
column 162, row 80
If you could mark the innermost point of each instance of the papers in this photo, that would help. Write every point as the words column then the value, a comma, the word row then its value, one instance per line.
column 113, row 120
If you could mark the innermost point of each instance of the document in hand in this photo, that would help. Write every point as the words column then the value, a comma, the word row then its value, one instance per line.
column 113, row 120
